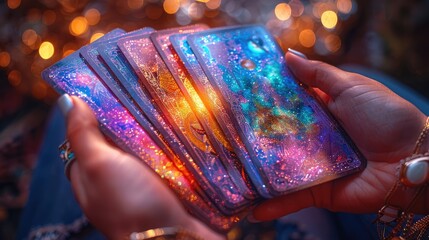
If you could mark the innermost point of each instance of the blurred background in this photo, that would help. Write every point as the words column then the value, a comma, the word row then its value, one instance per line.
column 390, row 36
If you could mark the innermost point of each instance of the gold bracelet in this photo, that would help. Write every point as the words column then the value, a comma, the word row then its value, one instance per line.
column 394, row 222
column 165, row 233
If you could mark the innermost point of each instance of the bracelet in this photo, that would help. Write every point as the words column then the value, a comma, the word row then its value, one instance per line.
column 165, row 233
column 394, row 222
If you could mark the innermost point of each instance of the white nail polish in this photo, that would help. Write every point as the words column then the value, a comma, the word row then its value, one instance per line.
column 297, row 53
column 65, row 103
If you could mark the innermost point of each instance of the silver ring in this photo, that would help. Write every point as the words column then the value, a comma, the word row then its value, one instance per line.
column 68, row 157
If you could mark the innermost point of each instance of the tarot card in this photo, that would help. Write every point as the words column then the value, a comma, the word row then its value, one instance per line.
column 72, row 75
column 130, row 84
column 92, row 57
column 125, row 85
column 214, row 133
column 202, row 85
column 291, row 138
column 155, row 76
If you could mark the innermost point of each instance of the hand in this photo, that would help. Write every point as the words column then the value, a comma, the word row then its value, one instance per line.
column 117, row 192
column 384, row 127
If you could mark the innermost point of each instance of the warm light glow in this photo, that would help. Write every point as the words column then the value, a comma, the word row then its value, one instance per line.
column 213, row 4
column 344, row 6
column 283, row 11
column 196, row 11
column 29, row 37
column 68, row 52
column 78, row 26
column 135, row 4
column 96, row 36
column 13, row 4
column 49, row 17
column 171, row 6
column 332, row 43
column 92, row 16
column 297, row 8
column 4, row 59
column 46, row 50
column 329, row 19
column 14, row 78
column 307, row 38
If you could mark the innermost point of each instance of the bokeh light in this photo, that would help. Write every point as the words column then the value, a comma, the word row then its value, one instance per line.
column 307, row 38
column 92, row 16
column 171, row 6
column 332, row 43
column 4, row 59
column 213, row 4
column 135, row 4
column 329, row 19
column 96, row 36
column 344, row 6
column 29, row 37
column 283, row 11
column 15, row 78
column 78, row 26
column 46, row 50
column 13, row 4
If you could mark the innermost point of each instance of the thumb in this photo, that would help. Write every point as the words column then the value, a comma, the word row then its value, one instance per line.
column 329, row 79
column 83, row 133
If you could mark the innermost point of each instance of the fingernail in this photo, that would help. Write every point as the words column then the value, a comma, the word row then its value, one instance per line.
column 65, row 103
column 252, row 219
column 297, row 53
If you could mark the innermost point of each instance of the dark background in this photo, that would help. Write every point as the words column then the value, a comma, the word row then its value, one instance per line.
column 390, row 36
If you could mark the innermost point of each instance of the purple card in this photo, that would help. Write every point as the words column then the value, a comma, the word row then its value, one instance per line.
column 202, row 85
column 214, row 133
column 155, row 76
column 72, row 75
column 291, row 138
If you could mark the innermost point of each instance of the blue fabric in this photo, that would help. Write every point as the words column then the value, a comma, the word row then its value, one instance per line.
column 51, row 201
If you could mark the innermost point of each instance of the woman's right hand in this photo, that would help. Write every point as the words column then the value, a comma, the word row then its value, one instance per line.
column 384, row 127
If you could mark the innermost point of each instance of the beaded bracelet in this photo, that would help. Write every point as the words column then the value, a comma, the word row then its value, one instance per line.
column 398, row 223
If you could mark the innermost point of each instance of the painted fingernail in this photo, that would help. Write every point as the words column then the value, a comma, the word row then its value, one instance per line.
column 297, row 53
column 252, row 219
column 65, row 103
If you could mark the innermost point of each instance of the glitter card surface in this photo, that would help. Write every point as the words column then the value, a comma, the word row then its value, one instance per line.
column 154, row 74
column 200, row 82
column 124, row 83
column 291, row 139
column 71, row 75
column 214, row 133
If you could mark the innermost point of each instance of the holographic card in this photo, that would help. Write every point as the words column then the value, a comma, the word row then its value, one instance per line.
column 202, row 85
column 93, row 59
column 124, row 83
column 290, row 137
column 73, row 76
column 155, row 76
column 214, row 133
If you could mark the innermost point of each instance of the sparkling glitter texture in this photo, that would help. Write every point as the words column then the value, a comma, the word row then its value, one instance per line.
column 216, row 137
column 71, row 75
column 128, row 83
column 293, row 142
column 143, row 56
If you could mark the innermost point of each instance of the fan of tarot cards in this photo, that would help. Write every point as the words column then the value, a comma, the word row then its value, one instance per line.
column 214, row 112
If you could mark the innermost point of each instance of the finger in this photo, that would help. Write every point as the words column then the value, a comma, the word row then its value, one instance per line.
column 283, row 205
column 327, row 78
column 83, row 133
